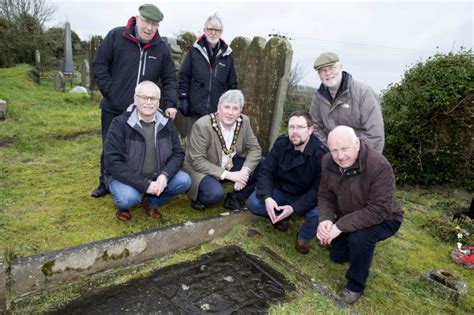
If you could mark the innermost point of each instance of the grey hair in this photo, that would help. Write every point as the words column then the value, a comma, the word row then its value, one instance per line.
column 147, row 83
column 214, row 19
column 232, row 96
column 346, row 131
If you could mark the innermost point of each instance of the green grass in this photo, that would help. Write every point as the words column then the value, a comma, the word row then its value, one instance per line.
column 49, row 149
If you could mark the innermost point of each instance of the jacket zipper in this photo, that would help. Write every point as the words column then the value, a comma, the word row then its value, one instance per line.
column 139, row 64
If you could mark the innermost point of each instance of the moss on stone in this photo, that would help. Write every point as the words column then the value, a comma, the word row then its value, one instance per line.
column 47, row 268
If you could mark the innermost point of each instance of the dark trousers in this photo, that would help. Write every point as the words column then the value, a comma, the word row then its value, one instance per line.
column 357, row 248
column 211, row 190
column 106, row 120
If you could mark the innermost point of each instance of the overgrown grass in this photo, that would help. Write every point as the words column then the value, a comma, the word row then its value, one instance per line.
column 49, row 149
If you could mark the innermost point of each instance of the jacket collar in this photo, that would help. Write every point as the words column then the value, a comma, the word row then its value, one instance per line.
column 133, row 120
column 343, row 88
column 200, row 43
column 311, row 147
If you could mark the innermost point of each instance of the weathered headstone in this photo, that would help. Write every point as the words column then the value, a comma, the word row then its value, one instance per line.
column 85, row 74
column 3, row 109
column 35, row 75
column 68, row 66
column 38, row 60
column 263, row 71
column 59, row 82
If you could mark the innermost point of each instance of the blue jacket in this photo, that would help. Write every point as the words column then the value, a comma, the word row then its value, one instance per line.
column 124, row 149
column 293, row 172
column 201, row 83
column 121, row 63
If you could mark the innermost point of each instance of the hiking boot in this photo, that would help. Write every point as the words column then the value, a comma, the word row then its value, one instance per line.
column 232, row 203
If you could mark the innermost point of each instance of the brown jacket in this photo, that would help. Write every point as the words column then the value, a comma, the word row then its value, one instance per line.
column 204, row 152
column 362, row 196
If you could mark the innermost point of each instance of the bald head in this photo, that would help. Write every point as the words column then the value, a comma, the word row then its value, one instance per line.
column 344, row 146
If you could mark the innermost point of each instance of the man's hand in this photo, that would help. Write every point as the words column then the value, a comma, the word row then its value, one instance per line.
column 333, row 233
column 241, row 176
column 238, row 186
column 152, row 189
column 162, row 182
column 271, row 206
column 323, row 231
column 287, row 210
column 171, row 112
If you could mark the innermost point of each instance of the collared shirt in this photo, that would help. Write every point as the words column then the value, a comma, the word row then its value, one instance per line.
column 140, row 118
column 228, row 135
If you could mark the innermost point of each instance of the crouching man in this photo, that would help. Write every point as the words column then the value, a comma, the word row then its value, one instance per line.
column 357, row 206
column 143, row 156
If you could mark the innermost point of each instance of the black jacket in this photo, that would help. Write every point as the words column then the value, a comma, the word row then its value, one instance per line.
column 124, row 150
column 293, row 172
column 201, row 83
column 121, row 63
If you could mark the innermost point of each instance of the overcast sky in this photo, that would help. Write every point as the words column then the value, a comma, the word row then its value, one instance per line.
column 375, row 40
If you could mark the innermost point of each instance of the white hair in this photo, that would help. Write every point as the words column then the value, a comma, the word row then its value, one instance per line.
column 232, row 96
column 214, row 19
column 344, row 131
column 151, row 84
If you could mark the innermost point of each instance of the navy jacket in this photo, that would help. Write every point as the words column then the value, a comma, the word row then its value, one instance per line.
column 201, row 83
column 293, row 172
column 124, row 149
column 121, row 63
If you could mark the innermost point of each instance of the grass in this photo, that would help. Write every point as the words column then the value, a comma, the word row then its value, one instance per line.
column 49, row 149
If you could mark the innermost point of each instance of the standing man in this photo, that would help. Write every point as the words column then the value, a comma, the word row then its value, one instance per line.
column 341, row 100
column 127, row 56
column 207, row 72
column 143, row 156
column 288, row 179
column 222, row 147
column 357, row 206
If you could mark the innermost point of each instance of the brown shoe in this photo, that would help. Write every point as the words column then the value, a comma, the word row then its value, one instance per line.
column 123, row 215
column 149, row 210
column 350, row 297
column 282, row 226
column 301, row 246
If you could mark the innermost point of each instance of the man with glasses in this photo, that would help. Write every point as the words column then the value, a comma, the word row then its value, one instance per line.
column 127, row 56
column 288, row 180
column 341, row 100
column 207, row 72
column 143, row 156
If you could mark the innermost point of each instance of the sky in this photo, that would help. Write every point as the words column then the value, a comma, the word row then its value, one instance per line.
column 376, row 41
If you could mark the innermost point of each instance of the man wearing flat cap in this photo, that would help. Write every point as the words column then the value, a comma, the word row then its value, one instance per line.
column 341, row 100
column 127, row 56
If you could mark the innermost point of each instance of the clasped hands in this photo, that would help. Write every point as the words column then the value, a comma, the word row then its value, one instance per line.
column 327, row 231
column 275, row 212
column 156, row 187
column 240, row 178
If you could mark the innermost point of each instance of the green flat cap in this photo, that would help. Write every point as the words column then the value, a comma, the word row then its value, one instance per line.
column 150, row 12
column 325, row 59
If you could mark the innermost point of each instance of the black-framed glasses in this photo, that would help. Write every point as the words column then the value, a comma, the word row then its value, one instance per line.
column 145, row 98
column 299, row 128
column 213, row 30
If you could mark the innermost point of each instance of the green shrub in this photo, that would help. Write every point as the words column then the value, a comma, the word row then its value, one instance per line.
column 428, row 122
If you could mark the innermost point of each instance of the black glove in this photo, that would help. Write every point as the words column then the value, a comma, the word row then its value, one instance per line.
column 184, row 106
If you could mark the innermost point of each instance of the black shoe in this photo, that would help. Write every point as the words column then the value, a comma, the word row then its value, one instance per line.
column 100, row 191
column 197, row 205
column 232, row 203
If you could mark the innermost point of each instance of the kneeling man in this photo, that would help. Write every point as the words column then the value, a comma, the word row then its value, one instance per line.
column 357, row 206
column 143, row 156
column 288, row 179
column 222, row 147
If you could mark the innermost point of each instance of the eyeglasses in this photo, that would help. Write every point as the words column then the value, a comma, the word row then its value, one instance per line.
column 145, row 98
column 147, row 22
column 299, row 128
column 213, row 30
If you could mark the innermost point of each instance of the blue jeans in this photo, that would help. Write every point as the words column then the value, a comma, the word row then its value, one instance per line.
column 308, row 228
column 126, row 197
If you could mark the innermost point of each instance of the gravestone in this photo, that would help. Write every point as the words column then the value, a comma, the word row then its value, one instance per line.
column 59, row 82
column 263, row 70
column 85, row 74
column 38, row 60
column 68, row 66
column 79, row 90
column 35, row 75
column 3, row 109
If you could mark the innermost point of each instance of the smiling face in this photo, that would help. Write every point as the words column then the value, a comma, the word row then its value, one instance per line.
column 331, row 76
column 228, row 113
column 147, row 100
column 146, row 28
column 344, row 148
column 299, row 131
